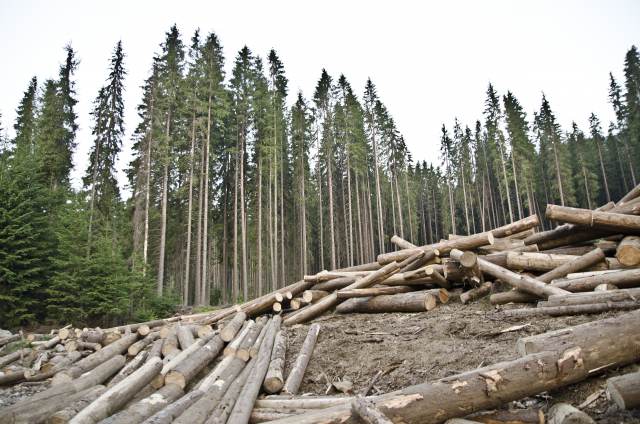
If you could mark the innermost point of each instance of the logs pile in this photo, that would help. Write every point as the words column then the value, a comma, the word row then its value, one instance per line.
column 212, row 367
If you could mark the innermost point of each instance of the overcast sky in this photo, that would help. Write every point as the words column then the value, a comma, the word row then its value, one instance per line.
column 430, row 62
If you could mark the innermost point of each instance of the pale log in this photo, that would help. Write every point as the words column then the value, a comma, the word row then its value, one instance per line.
column 634, row 193
column 418, row 301
column 621, row 279
column 274, row 379
column 224, row 407
column 373, row 291
column 129, row 368
column 368, row 413
column 301, row 402
column 145, row 408
column 589, row 308
column 510, row 416
column 331, row 285
column 543, row 262
column 185, row 336
column 244, row 404
column 137, row 347
column 232, row 327
column 578, row 264
column 437, row 278
column 311, row 296
column 628, row 251
column 115, row 397
column 563, row 413
column 244, row 350
column 402, row 243
column 594, row 297
column 253, row 352
column 232, row 347
column 471, row 269
column 186, row 370
column 625, row 390
column 294, row 380
column 65, row 415
column 14, row 356
column 172, row 411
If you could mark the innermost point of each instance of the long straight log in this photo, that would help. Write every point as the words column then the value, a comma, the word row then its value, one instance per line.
column 330, row 301
column 463, row 394
column 633, row 194
column 230, row 330
column 402, row 243
column 186, row 370
column 626, row 224
column 368, row 413
column 418, row 301
column 65, row 415
column 543, row 262
column 594, row 297
column 625, row 390
column 234, row 345
column 302, row 402
column 621, row 279
column 244, row 350
column 563, row 413
column 274, row 379
column 335, row 284
column 521, row 282
column 226, row 404
column 606, row 342
column 294, row 380
column 172, row 411
column 116, row 348
column 14, row 356
column 373, row 291
column 115, row 397
column 129, row 368
column 145, row 408
column 244, row 404
column 136, row 347
column 185, row 336
column 589, row 308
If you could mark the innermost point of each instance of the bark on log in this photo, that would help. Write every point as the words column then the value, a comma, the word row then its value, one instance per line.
column 521, row 282
column 594, row 297
column 244, row 350
column 311, row 296
column 170, row 346
column 331, row 285
column 65, row 415
column 373, row 291
column 634, row 193
column 172, row 411
column 330, row 301
column 471, row 269
column 625, row 390
column 286, row 402
column 621, row 279
column 14, row 356
column 368, row 413
column 274, row 379
column 628, row 252
column 605, row 342
column 49, row 400
column 476, row 293
column 116, row 348
column 464, row 243
column 227, row 402
column 418, row 301
column 232, row 327
column 626, row 224
column 233, row 347
column 244, row 404
column 438, row 279
column 117, row 396
column 578, row 264
column 542, row 262
column 145, row 408
column 138, row 346
column 402, row 243
column 590, row 308
column 463, row 394
column 129, row 368
column 186, row 370
column 294, row 380
column 563, row 413
column 605, row 287
column 185, row 336
column 256, row 346
column 184, row 356
column 510, row 416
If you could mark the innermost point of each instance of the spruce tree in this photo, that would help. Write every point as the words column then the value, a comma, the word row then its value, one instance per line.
column 25, row 126
column 632, row 98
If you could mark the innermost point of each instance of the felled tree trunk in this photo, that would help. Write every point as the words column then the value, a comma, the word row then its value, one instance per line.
column 476, row 293
column 186, row 370
column 628, row 252
column 563, row 413
column 145, row 408
column 418, row 301
column 591, row 308
column 294, row 380
column 373, row 291
column 621, row 279
column 626, row 224
column 625, row 390
column 230, row 330
column 65, row 415
column 274, row 379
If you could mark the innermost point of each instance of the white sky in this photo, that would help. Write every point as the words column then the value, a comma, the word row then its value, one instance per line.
column 431, row 62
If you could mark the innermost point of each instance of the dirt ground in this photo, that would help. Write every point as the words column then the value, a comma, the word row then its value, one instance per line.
column 421, row 347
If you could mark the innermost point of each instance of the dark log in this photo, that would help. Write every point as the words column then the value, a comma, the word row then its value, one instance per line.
column 476, row 293
column 65, row 415
column 368, row 413
column 625, row 390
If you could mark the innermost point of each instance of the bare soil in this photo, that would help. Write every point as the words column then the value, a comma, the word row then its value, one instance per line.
column 421, row 347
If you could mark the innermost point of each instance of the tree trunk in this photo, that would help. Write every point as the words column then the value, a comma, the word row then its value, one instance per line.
column 625, row 390
column 294, row 380
column 418, row 301
column 65, row 415
column 186, row 369
column 274, row 379
column 187, row 266
column 259, row 171
column 595, row 219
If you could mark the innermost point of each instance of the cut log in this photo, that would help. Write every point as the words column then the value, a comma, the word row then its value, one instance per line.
column 477, row 293
column 331, row 285
column 137, row 347
column 244, row 404
column 231, row 329
column 129, row 368
column 50, row 400
column 594, row 297
column 65, row 415
column 52, row 368
column 295, row 304
column 145, row 408
column 402, row 243
column 274, row 379
column 93, row 336
column 605, row 342
column 510, row 416
column 521, row 282
column 578, row 264
column 417, row 301
column 116, row 348
column 435, row 275
column 233, row 347
column 621, row 279
column 143, row 330
column 172, row 411
column 183, row 356
column 256, row 346
column 10, row 339
column 170, row 346
column 204, row 330
column 185, row 336
column 543, row 262
column 311, row 296
column 605, row 287
column 228, row 401
column 244, row 350
column 634, row 193
column 277, row 307
column 628, row 251
column 294, row 380
column 301, row 402
column 590, row 308
column 626, row 224
column 117, row 396
column 463, row 394
column 625, row 390
column 471, row 269
column 186, row 370
column 368, row 413
column 563, row 413
column 14, row 356
column 373, row 291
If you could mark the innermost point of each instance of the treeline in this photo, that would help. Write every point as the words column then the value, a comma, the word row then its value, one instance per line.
column 235, row 192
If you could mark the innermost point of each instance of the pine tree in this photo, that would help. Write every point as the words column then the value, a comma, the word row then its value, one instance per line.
column 108, row 130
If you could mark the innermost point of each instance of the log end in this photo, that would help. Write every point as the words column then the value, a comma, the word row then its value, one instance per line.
column 174, row 377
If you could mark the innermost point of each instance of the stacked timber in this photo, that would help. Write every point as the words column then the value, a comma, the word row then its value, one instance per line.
column 228, row 365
